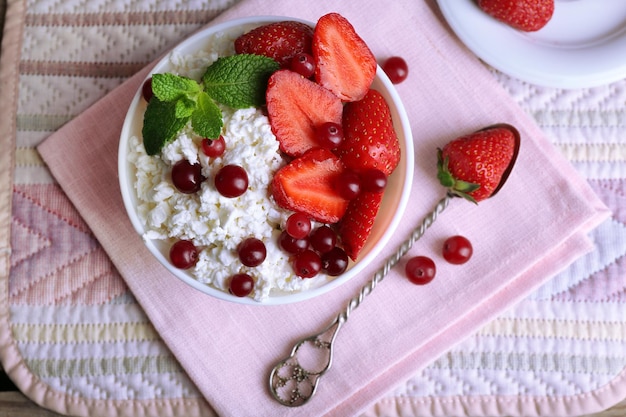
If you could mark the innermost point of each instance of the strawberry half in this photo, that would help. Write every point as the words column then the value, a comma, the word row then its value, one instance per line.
column 525, row 15
column 279, row 41
column 344, row 63
column 476, row 166
column 296, row 106
column 370, row 141
column 356, row 225
column 306, row 185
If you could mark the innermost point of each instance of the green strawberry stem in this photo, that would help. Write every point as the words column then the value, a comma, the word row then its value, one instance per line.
column 455, row 186
column 299, row 375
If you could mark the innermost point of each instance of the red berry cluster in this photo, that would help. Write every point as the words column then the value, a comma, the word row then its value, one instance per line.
column 421, row 270
column 312, row 250
column 251, row 252
column 350, row 184
column 230, row 181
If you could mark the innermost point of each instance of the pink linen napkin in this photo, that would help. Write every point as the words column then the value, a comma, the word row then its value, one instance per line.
column 533, row 228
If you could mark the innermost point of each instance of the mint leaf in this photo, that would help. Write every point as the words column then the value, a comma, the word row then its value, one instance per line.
column 239, row 81
column 170, row 87
column 206, row 120
column 160, row 125
column 184, row 107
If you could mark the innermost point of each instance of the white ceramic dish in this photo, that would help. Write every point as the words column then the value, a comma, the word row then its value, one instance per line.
column 393, row 205
column 583, row 45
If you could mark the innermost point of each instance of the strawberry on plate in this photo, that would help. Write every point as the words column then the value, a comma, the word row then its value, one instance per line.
column 344, row 63
column 296, row 106
column 525, row 15
column 306, row 185
column 370, row 140
column 279, row 41
column 356, row 224
column 476, row 166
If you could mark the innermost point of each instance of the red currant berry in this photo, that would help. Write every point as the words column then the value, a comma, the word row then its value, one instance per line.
column 298, row 225
column 396, row 69
column 213, row 148
column 457, row 250
column 373, row 180
column 335, row 262
column 146, row 89
column 240, row 285
column 303, row 64
column 323, row 239
column 187, row 177
column 348, row 184
column 329, row 135
column 307, row 264
column 252, row 252
column 183, row 254
column 420, row 270
column 292, row 245
column 231, row 181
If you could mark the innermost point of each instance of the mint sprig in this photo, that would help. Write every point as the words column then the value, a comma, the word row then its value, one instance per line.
column 238, row 81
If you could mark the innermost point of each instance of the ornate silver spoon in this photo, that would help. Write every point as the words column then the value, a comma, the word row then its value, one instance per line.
column 293, row 381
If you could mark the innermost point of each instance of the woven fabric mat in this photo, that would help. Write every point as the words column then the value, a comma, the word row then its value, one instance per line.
column 74, row 339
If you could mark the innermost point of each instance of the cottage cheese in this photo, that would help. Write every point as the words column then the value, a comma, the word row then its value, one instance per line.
column 217, row 224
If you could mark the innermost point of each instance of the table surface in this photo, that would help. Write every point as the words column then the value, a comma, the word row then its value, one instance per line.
column 13, row 403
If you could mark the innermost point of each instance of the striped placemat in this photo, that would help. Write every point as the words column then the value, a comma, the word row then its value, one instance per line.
column 74, row 338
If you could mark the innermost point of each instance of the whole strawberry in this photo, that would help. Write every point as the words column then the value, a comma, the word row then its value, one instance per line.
column 279, row 41
column 476, row 166
column 526, row 15
column 370, row 140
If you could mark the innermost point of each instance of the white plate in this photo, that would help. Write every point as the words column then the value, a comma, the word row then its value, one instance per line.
column 583, row 45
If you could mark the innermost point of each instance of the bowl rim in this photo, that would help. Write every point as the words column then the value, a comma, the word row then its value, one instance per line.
column 127, row 187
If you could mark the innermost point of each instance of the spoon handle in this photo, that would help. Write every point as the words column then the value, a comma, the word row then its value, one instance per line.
column 293, row 380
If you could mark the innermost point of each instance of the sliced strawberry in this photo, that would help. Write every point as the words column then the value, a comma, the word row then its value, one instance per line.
column 279, row 41
column 370, row 141
column 356, row 224
column 307, row 185
column 296, row 106
column 526, row 15
column 344, row 63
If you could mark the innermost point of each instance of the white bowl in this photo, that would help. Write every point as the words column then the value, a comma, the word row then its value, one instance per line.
column 392, row 208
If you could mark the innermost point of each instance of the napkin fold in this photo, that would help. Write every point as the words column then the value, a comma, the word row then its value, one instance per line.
column 533, row 228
